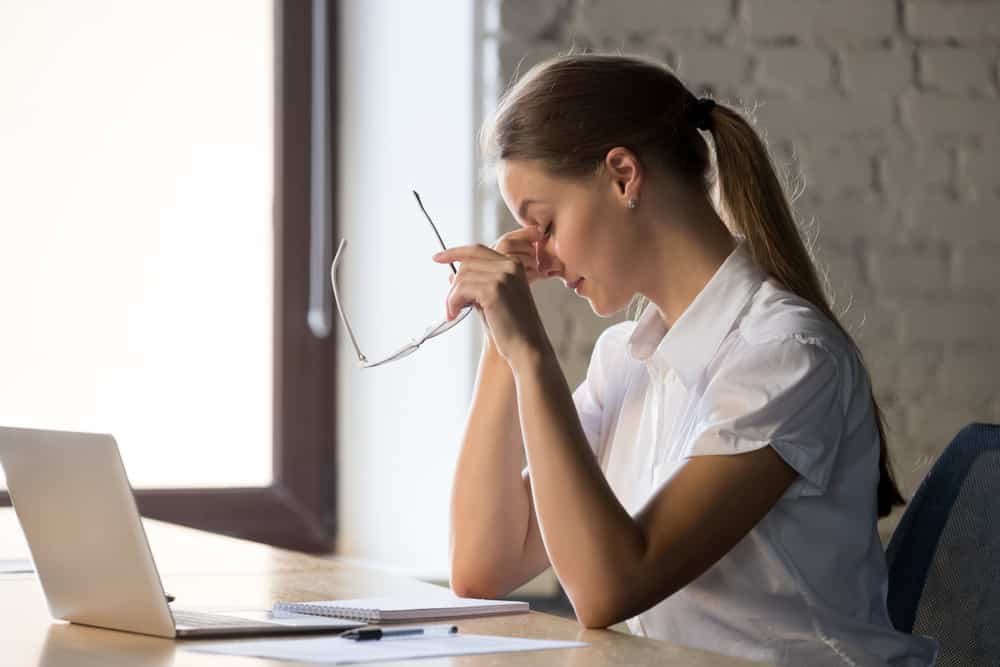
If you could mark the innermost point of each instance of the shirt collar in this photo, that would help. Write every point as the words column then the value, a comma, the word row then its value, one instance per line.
column 689, row 345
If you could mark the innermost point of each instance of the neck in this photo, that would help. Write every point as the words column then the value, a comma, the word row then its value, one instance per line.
column 683, row 257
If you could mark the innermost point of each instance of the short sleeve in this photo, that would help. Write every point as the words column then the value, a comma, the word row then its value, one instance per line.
column 587, row 399
column 599, row 390
column 783, row 393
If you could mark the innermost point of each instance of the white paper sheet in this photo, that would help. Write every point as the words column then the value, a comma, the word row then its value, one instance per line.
column 16, row 566
column 335, row 650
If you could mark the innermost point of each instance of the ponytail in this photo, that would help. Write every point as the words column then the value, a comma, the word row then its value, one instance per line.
column 754, row 204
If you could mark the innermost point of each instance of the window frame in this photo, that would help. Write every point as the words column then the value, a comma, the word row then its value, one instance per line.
column 298, row 509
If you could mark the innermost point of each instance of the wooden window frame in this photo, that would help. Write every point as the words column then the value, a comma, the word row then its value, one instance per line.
column 298, row 510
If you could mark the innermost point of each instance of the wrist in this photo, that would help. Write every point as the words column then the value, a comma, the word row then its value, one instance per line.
column 532, row 358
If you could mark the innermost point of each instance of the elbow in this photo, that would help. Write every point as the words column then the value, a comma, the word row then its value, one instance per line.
column 472, row 587
column 593, row 622
column 595, row 618
column 596, row 609
column 472, row 582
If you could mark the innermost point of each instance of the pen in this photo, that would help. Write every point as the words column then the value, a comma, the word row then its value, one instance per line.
column 363, row 634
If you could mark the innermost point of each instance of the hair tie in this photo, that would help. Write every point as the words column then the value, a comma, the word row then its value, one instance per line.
column 703, row 113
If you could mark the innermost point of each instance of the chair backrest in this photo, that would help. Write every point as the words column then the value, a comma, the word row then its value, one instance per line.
column 944, row 556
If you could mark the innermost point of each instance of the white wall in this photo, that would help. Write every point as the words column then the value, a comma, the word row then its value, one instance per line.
column 407, row 122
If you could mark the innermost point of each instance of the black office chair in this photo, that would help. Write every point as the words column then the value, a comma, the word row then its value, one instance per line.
column 944, row 556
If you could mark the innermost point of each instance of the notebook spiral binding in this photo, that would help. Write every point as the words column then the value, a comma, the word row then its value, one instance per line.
column 355, row 613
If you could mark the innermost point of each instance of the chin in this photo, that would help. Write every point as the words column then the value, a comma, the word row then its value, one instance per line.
column 605, row 310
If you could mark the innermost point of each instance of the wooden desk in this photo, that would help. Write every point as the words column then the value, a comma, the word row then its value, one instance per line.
column 207, row 571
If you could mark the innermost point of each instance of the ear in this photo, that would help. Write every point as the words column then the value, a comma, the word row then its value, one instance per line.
column 626, row 173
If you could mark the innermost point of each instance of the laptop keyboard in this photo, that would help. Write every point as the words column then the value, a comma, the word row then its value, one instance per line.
column 199, row 619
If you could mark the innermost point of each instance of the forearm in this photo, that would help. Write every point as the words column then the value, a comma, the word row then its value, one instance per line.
column 590, row 538
column 489, row 505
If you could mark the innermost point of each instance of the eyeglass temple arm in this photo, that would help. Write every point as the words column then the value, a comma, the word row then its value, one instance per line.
column 440, row 240
column 336, row 299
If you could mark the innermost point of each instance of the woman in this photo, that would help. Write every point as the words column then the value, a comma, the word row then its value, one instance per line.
column 717, row 477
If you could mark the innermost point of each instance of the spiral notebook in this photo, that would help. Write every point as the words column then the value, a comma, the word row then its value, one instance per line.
column 397, row 608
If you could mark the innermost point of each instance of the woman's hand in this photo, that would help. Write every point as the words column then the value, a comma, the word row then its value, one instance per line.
column 523, row 245
column 498, row 284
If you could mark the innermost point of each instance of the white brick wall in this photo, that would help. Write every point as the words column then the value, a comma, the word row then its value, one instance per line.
column 891, row 113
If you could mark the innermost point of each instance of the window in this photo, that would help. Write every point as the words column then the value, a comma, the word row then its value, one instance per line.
column 154, row 263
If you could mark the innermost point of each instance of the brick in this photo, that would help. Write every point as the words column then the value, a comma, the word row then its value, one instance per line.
column 844, row 267
column 958, row 20
column 909, row 269
column 949, row 320
column 955, row 70
column 870, row 318
column 713, row 66
column 613, row 18
column 843, row 221
column 835, row 168
column 964, row 376
column 516, row 58
column 849, row 21
column 903, row 372
column 877, row 72
column 528, row 19
column 932, row 113
column 908, row 168
column 919, row 366
column 943, row 219
column 882, row 361
column 932, row 423
column 842, row 276
column 979, row 170
column 794, row 69
column 824, row 114
column 978, row 268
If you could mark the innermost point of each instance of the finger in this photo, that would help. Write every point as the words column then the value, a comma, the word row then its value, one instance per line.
column 526, row 255
column 525, row 250
column 466, row 253
column 522, row 239
column 491, row 268
column 530, row 233
column 466, row 292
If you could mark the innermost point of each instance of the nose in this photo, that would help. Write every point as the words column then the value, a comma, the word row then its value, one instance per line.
column 548, row 263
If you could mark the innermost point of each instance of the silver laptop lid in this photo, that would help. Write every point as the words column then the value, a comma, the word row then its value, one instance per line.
column 75, row 505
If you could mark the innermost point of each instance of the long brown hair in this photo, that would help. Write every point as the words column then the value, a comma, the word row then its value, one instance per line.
column 569, row 111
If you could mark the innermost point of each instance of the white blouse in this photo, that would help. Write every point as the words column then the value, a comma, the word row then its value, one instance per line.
column 749, row 364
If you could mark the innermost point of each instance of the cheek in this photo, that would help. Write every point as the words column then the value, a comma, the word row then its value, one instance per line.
column 580, row 245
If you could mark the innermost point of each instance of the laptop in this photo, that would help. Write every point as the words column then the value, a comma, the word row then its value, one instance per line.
column 76, row 508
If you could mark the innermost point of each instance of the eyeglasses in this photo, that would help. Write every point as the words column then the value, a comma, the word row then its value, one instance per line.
column 415, row 343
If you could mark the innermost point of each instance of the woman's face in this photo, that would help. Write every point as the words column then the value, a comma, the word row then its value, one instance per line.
column 587, row 238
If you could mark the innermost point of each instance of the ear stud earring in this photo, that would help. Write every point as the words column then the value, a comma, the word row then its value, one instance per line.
column 632, row 203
